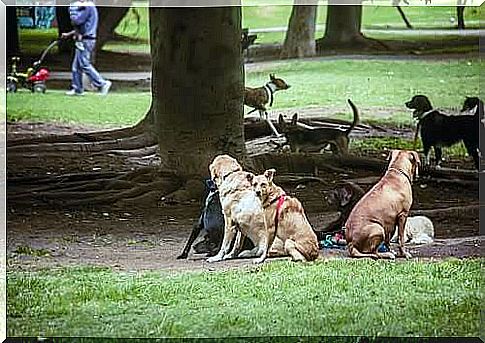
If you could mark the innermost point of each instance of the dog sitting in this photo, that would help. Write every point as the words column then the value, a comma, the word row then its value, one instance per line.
column 386, row 205
column 258, row 98
column 211, row 221
column 305, row 138
column 418, row 230
column 285, row 215
column 438, row 130
column 242, row 210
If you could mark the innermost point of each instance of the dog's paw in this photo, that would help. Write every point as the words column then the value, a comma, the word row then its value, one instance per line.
column 216, row 258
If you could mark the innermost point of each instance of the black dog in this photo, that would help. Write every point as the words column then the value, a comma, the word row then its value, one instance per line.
column 438, row 130
column 211, row 221
column 343, row 199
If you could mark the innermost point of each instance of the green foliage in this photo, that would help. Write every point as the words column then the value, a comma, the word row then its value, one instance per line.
column 332, row 297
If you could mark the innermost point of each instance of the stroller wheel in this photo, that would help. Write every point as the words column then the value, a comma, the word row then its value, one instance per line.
column 39, row 88
column 11, row 87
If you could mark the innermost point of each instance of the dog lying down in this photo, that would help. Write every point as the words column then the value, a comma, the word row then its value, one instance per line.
column 386, row 205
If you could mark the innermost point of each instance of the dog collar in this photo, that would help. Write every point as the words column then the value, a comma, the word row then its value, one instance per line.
column 403, row 173
column 269, row 92
column 425, row 114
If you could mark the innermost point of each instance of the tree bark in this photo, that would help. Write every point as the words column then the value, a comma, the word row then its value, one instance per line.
column 64, row 25
column 300, row 36
column 12, row 31
column 109, row 18
column 197, row 86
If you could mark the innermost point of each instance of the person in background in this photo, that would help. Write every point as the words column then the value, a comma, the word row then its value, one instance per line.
column 84, row 18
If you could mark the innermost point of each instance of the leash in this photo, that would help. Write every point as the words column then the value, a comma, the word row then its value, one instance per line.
column 280, row 200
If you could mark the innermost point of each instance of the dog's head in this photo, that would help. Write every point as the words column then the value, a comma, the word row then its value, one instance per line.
column 406, row 160
column 420, row 104
column 222, row 166
column 262, row 184
column 280, row 84
column 344, row 195
column 470, row 103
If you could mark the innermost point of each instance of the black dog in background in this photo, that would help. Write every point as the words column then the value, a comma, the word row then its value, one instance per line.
column 438, row 130
column 211, row 221
column 343, row 199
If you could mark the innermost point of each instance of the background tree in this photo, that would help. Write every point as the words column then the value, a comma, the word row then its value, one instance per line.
column 13, row 47
column 63, row 25
column 300, row 36
column 109, row 18
column 343, row 28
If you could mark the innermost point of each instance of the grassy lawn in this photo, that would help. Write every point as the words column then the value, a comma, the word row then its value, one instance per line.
column 373, row 85
column 334, row 297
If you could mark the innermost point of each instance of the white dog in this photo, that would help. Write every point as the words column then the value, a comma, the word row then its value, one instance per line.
column 418, row 230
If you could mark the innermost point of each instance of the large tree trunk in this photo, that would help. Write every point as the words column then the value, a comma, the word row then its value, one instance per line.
column 64, row 25
column 300, row 36
column 12, row 31
column 197, row 85
column 109, row 18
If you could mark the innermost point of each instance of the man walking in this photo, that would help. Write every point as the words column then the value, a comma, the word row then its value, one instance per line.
column 84, row 18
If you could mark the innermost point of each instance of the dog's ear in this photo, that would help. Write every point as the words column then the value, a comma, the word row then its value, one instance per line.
column 269, row 174
column 294, row 119
column 391, row 155
column 346, row 195
column 271, row 77
column 281, row 121
column 416, row 161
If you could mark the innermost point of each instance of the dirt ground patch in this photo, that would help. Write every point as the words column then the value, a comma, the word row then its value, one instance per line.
column 40, row 237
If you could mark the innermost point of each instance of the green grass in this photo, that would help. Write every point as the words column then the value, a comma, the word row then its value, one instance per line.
column 336, row 297
column 373, row 144
column 118, row 108
column 378, row 88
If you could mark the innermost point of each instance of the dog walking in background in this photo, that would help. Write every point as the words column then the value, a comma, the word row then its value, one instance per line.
column 438, row 130
column 258, row 98
column 285, row 215
column 306, row 138
column 386, row 205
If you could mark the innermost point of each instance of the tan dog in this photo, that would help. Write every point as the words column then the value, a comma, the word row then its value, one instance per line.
column 242, row 210
column 285, row 214
column 374, row 218
column 258, row 98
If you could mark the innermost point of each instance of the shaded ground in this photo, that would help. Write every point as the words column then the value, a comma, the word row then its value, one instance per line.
column 151, row 239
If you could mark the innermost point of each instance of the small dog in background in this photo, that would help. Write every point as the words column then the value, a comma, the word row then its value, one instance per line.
column 438, row 130
column 285, row 214
column 343, row 199
column 306, row 138
column 258, row 98
column 418, row 230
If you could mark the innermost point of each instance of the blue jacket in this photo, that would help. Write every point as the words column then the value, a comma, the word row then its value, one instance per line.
column 84, row 16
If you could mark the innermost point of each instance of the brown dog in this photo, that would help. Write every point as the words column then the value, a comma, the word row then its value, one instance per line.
column 242, row 210
column 385, row 206
column 286, row 216
column 258, row 98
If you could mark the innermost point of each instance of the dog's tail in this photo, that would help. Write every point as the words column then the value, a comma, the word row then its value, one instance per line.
column 356, row 117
